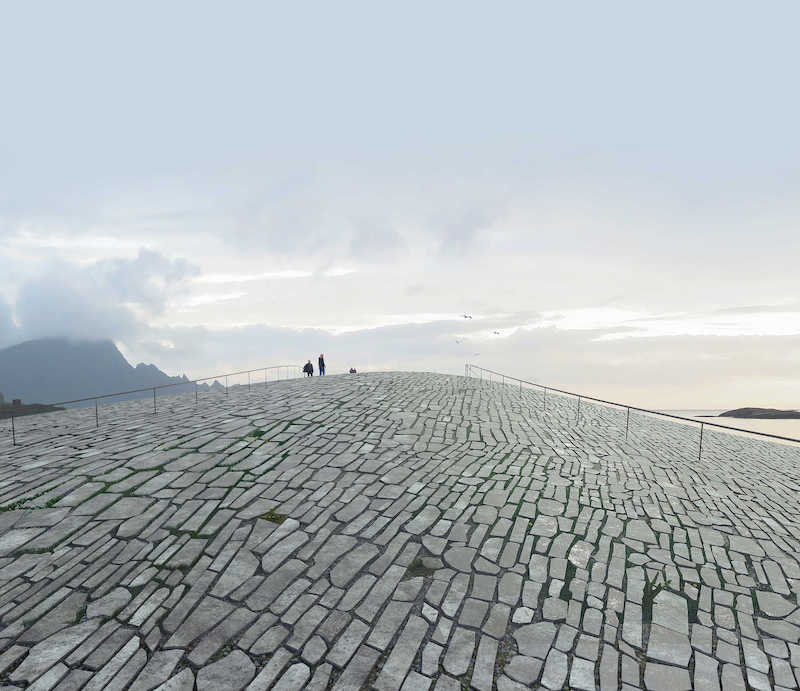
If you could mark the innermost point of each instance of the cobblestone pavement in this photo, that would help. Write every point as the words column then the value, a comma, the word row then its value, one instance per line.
column 394, row 531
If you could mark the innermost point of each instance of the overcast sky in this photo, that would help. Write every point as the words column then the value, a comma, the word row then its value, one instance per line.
column 613, row 188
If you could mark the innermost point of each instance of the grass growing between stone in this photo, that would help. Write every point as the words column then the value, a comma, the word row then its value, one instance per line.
column 273, row 517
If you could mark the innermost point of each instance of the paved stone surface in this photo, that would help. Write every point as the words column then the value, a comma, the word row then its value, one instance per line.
column 394, row 531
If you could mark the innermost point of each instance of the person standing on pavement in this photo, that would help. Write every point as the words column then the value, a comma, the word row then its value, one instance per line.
column 308, row 368
column 321, row 363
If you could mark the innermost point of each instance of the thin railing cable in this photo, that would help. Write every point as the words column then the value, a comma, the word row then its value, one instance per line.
column 702, row 423
column 293, row 369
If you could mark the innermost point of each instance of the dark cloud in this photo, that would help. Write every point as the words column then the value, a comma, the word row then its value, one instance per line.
column 63, row 303
column 309, row 222
column 145, row 280
column 107, row 299
column 374, row 240
column 458, row 232
column 372, row 214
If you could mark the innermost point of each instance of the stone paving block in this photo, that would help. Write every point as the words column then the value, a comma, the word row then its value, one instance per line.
column 666, row 678
column 157, row 670
column 232, row 672
column 290, row 537
column 183, row 681
column 47, row 652
column 208, row 612
column 109, row 670
column 241, row 567
column 357, row 671
column 403, row 652
column 459, row 652
column 352, row 563
column 668, row 646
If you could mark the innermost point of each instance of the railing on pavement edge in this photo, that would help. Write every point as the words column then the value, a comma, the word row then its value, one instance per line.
column 216, row 377
column 468, row 367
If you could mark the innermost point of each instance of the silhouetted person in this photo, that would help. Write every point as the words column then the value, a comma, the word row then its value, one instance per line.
column 321, row 363
column 308, row 368
column 352, row 370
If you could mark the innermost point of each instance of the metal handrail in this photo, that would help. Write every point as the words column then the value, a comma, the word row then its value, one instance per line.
column 468, row 372
column 188, row 382
column 166, row 386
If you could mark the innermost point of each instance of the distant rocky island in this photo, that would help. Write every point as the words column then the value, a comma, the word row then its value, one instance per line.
column 9, row 410
column 762, row 414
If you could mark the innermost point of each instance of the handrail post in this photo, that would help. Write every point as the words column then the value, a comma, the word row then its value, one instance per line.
column 700, row 449
column 544, row 402
column 154, row 400
column 96, row 416
column 13, row 432
column 265, row 377
column 248, row 382
column 578, row 417
column 627, row 421
column 195, row 392
column 226, row 384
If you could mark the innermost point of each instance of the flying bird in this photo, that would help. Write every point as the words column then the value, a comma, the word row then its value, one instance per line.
column 496, row 333
column 466, row 316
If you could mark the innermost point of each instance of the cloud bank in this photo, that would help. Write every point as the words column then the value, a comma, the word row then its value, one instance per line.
column 111, row 298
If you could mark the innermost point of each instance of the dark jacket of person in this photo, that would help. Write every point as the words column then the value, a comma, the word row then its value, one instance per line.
column 321, row 363
column 308, row 368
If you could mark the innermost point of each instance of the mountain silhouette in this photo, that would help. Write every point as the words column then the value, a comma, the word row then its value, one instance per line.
column 54, row 370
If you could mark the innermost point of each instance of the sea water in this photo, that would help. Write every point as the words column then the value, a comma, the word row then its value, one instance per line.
column 783, row 428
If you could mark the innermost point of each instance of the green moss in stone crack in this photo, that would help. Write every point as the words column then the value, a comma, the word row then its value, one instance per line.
column 273, row 517
column 417, row 568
